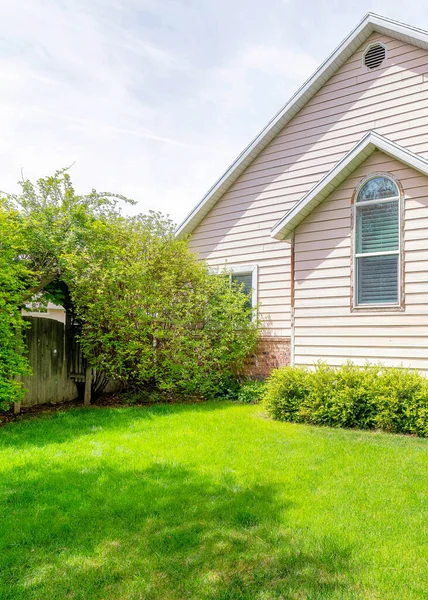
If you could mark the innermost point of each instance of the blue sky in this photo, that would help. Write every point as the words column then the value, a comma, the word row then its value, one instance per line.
column 155, row 98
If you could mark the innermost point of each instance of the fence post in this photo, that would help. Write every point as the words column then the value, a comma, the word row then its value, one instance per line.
column 88, row 384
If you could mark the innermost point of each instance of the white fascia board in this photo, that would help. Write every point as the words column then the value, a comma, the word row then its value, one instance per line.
column 354, row 158
column 369, row 24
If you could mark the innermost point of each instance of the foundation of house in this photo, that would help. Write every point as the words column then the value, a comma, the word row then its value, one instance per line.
column 271, row 352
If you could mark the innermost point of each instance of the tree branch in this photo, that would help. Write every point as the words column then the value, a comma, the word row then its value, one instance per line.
column 31, row 292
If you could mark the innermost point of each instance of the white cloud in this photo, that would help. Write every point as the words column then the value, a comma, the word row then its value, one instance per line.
column 66, row 99
column 257, row 70
column 154, row 98
column 277, row 61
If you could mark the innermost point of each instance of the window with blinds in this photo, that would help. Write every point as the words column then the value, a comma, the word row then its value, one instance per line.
column 377, row 242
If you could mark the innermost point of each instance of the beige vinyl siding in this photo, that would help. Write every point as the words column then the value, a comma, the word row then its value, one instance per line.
column 392, row 100
column 325, row 327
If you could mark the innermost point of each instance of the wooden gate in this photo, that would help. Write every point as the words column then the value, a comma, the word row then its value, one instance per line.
column 56, row 361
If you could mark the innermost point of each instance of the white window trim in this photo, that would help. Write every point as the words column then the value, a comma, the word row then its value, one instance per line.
column 398, row 253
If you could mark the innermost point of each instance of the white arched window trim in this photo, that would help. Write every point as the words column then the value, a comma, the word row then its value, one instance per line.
column 375, row 305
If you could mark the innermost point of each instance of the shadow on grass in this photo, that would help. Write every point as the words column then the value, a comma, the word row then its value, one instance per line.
column 64, row 426
column 164, row 532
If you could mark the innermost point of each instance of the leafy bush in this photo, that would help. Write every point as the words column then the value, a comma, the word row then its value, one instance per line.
column 227, row 388
column 251, row 391
column 144, row 396
column 392, row 399
column 14, row 278
column 153, row 315
column 286, row 388
column 401, row 398
column 340, row 397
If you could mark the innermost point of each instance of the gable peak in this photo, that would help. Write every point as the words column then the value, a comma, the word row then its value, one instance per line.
column 371, row 23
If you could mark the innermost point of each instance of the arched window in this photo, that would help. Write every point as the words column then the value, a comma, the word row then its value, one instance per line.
column 377, row 243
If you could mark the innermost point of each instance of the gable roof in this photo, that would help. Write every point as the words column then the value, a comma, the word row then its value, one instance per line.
column 354, row 158
column 369, row 24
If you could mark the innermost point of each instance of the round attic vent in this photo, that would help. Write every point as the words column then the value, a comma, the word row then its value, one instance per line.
column 374, row 56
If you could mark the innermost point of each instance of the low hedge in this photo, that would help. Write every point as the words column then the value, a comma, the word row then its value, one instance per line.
column 369, row 397
column 239, row 389
column 251, row 391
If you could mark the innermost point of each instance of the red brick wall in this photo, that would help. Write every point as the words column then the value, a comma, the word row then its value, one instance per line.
column 271, row 352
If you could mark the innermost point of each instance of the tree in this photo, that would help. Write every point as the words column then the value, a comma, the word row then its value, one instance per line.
column 15, row 279
column 39, row 229
column 58, row 222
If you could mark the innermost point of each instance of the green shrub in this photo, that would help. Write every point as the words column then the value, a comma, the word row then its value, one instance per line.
column 15, row 277
column 340, row 397
column 420, row 422
column 227, row 388
column 153, row 314
column 285, row 391
column 251, row 391
column 143, row 396
column 392, row 399
column 401, row 394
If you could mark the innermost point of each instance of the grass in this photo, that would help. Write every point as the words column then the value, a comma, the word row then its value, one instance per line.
column 208, row 501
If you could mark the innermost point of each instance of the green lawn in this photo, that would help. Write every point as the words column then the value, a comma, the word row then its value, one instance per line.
column 208, row 501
